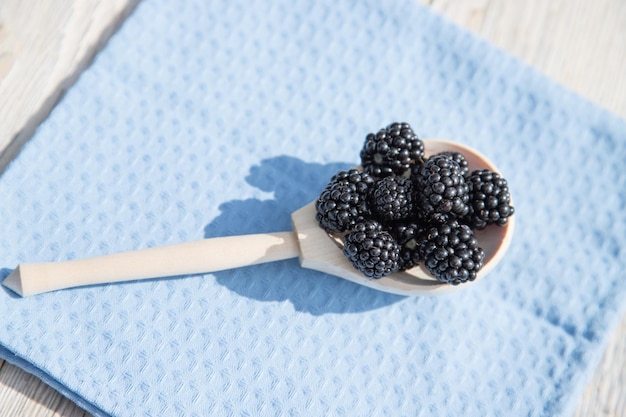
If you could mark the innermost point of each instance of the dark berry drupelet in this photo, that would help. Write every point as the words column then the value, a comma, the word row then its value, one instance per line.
column 393, row 150
column 391, row 199
column 442, row 192
column 408, row 237
column 451, row 253
column 344, row 200
column 372, row 250
column 459, row 159
column 490, row 200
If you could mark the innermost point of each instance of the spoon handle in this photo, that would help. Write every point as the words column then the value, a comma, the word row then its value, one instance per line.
column 202, row 256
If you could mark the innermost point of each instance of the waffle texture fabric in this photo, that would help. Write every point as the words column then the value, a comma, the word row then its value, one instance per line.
column 214, row 118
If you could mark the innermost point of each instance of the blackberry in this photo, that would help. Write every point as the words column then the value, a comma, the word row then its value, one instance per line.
column 451, row 253
column 343, row 202
column 408, row 237
column 372, row 250
column 442, row 192
column 489, row 200
column 459, row 159
column 391, row 199
column 393, row 150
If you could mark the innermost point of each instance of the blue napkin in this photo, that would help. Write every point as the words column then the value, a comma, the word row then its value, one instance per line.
column 213, row 118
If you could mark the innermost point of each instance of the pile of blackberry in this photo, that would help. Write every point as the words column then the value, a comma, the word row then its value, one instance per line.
column 403, row 208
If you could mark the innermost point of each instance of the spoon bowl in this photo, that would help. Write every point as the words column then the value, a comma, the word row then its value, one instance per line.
column 316, row 252
column 308, row 241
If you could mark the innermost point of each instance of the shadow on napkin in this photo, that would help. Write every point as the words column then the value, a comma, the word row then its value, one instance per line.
column 294, row 184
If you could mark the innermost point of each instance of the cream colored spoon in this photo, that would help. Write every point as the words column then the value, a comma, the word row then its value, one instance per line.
column 307, row 241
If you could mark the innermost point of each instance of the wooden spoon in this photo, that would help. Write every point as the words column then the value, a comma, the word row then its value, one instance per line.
column 315, row 248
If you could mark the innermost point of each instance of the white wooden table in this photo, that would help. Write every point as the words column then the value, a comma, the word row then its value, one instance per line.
column 44, row 45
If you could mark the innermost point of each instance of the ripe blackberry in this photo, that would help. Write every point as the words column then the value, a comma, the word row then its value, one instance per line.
column 344, row 200
column 408, row 237
column 489, row 200
column 442, row 191
column 459, row 159
column 372, row 250
column 393, row 150
column 451, row 253
column 391, row 199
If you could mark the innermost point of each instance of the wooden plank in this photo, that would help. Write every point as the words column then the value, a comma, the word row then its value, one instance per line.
column 606, row 393
column 22, row 394
column 44, row 45
column 579, row 43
